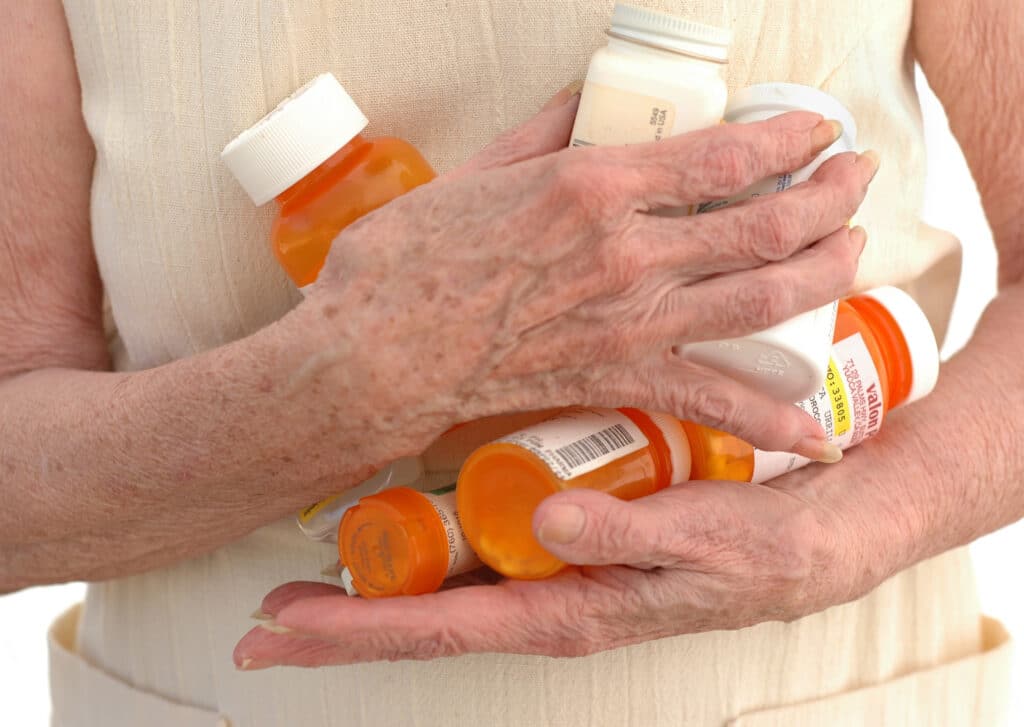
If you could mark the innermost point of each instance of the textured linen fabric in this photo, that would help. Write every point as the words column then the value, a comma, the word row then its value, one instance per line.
column 186, row 267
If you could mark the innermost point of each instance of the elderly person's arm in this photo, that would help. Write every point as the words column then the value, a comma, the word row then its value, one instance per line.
column 418, row 320
column 710, row 556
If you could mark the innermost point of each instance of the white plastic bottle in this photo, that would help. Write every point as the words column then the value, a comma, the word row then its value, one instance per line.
column 789, row 360
column 320, row 521
column 659, row 76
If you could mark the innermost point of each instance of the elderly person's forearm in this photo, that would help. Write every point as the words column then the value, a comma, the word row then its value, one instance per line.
column 110, row 473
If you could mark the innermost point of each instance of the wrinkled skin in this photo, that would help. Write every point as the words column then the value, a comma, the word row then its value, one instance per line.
column 603, row 291
column 587, row 309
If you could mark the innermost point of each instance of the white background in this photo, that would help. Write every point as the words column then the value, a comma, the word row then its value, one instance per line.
column 952, row 203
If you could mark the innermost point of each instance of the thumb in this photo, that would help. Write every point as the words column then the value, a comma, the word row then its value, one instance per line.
column 544, row 133
column 587, row 527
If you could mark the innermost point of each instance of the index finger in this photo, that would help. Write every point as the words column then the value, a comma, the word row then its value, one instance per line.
column 715, row 163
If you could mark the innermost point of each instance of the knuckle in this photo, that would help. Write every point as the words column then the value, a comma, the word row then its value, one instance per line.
column 848, row 197
column 774, row 231
column 579, row 178
column 729, row 168
column 709, row 405
column 619, row 261
column 433, row 646
column 617, row 535
column 760, row 302
column 845, row 265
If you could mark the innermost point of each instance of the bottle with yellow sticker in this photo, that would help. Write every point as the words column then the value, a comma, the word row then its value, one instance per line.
column 884, row 355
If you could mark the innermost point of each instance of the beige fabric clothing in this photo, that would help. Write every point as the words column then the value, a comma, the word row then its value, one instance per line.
column 186, row 267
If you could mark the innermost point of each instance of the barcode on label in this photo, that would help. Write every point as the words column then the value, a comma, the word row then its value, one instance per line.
column 588, row 449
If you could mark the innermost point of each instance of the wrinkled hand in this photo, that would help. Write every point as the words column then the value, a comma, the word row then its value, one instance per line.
column 536, row 277
column 696, row 557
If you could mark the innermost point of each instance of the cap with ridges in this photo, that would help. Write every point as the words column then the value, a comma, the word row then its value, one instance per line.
column 671, row 33
column 299, row 135
column 920, row 340
column 783, row 97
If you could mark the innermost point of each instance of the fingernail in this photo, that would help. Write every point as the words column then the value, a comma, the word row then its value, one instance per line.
column 818, row 450
column 825, row 134
column 275, row 628
column 260, row 615
column 859, row 236
column 564, row 96
column 245, row 664
column 872, row 160
column 562, row 525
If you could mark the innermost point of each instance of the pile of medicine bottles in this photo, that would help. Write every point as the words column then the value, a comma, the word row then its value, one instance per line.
column 404, row 542
column 658, row 76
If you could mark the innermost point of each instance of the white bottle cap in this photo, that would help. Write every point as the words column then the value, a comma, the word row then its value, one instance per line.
column 678, row 445
column 918, row 334
column 772, row 99
column 303, row 132
column 671, row 33
column 346, row 582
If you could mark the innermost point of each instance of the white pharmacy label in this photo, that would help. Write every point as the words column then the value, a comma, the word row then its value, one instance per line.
column 461, row 557
column 579, row 440
column 848, row 407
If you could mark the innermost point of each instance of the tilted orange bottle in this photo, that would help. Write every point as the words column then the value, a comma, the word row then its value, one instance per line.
column 884, row 356
column 401, row 542
column 309, row 153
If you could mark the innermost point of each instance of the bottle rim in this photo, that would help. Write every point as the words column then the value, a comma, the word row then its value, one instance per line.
column 671, row 33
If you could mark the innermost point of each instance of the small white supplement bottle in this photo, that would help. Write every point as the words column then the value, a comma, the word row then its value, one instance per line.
column 659, row 76
column 789, row 360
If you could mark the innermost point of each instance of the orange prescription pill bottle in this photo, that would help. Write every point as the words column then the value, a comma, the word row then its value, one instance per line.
column 310, row 155
column 884, row 356
column 625, row 452
column 401, row 542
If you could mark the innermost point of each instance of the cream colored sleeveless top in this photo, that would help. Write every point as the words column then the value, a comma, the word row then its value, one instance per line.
column 186, row 265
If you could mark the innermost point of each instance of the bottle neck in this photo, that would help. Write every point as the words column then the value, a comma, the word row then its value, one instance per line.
column 893, row 346
column 326, row 170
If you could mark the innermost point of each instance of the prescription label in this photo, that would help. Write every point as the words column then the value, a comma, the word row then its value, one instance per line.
column 461, row 557
column 580, row 440
column 848, row 407
column 610, row 116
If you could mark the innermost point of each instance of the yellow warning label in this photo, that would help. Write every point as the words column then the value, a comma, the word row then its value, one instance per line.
column 310, row 512
column 837, row 400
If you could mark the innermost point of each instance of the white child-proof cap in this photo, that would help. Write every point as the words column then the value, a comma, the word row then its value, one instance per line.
column 918, row 334
column 671, row 33
column 772, row 99
column 303, row 132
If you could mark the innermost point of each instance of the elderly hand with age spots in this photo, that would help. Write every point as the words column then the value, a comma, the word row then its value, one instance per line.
column 695, row 557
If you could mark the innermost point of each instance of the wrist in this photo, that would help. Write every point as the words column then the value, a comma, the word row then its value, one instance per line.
column 352, row 382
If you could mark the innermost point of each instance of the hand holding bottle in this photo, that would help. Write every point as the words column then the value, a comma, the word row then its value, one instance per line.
column 607, row 289
column 545, row 282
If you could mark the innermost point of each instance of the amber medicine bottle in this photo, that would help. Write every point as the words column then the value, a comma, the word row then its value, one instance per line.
column 884, row 356
column 624, row 452
column 310, row 155
column 401, row 542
